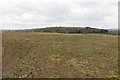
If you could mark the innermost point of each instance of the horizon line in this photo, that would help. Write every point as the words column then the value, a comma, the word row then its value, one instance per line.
column 55, row 26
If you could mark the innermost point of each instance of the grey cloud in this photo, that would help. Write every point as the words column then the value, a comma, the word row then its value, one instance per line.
column 32, row 13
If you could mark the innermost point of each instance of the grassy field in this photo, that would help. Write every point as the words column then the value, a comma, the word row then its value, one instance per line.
column 55, row 55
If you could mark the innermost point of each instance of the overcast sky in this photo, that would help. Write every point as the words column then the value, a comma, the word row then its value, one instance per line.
column 19, row 14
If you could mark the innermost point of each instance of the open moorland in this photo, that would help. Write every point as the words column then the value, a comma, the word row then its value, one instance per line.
column 59, row 55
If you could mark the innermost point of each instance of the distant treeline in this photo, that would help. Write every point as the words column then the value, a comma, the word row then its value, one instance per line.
column 69, row 30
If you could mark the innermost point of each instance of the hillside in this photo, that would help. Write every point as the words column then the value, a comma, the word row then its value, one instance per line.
column 68, row 30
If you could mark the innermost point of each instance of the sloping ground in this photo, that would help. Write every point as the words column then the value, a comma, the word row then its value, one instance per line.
column 68, row 30
column 44, row 55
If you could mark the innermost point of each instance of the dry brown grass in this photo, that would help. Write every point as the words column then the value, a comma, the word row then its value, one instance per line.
column 48, row 55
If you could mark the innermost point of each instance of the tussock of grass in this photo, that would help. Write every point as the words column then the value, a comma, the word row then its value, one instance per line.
column 55, row 76
column 56, row 58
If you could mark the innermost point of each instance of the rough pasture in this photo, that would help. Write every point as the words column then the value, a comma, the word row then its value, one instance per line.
column 55, row 55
